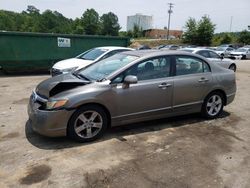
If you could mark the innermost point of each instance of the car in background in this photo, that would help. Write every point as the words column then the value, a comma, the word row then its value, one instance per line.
column 129, row 87
column 212, row 56
column 170, row 47
column 143, row 47
column 240, row 53
column 224, row 51
column 85, row 59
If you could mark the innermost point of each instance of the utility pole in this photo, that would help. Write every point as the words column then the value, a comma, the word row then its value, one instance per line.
column 169, row 15
column 231, row 22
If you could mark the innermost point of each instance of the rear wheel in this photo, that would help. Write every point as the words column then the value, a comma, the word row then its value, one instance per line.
column 232, row 67
column 87, row 124
column 213, row 105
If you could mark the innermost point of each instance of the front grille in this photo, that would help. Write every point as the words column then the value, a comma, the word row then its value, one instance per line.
column 55, row 72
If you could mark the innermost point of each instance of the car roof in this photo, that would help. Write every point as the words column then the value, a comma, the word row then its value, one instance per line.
column 149, row 53
column 197, row 49
column 113, row 48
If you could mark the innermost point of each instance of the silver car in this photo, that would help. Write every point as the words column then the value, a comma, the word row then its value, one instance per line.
column 212, row 56
column 126, row 88
column 224, row 51
column 240, row 53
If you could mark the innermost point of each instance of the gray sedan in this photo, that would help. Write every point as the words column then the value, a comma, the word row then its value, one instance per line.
column 126, row 88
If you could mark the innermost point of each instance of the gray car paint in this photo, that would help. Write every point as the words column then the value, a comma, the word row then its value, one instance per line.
column 142, row 101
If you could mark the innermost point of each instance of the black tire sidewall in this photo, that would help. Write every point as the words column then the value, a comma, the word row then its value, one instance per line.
column 234, row 66
column 71, row 130
column 204, row 106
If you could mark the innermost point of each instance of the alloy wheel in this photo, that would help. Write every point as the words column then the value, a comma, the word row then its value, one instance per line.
column 214, row 105
column 88, row 124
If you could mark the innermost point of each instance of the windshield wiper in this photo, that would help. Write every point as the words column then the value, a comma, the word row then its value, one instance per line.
column 80, row 76
column 101, row 79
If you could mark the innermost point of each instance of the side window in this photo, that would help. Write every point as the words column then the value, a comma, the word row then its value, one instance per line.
column 150, row 69
column 206, row 67
column 214, row 55
column 190, row 65
column 203, row 53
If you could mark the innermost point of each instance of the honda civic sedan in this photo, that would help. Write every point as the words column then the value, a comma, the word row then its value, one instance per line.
column 126, row 88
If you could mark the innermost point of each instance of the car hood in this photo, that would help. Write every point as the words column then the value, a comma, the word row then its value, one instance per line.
column 238, row 53
column 72, row 62
column 58, row 84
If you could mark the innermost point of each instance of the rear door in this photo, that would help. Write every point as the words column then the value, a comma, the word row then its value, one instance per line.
column 192, row 81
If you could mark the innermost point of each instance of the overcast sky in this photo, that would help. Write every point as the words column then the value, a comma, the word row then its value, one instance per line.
column 220, row 11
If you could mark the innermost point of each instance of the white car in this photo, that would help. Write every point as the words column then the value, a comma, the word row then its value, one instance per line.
column 212, row 56
column 240, row 53
column 85, row 59
column 224, row 51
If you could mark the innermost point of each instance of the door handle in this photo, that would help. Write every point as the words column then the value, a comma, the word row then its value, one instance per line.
column 164, row 85
column 203, row 80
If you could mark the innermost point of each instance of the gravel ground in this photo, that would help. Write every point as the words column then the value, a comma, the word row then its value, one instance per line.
column 180, row 152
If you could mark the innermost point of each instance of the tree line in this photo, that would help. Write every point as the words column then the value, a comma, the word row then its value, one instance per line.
column 197, row 32
column 201, row 33
column 31, row 20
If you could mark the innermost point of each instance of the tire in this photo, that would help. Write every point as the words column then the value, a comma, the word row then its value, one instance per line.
column 244, row 57
column 213, row 105
column 232, row 67
column 87, row 124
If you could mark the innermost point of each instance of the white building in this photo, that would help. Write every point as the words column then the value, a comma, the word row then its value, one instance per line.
column 143, row 21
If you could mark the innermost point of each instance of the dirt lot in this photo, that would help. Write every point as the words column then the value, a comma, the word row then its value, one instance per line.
column 178, row 152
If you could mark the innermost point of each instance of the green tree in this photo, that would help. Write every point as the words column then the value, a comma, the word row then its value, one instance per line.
column 226, row 39
column 244, row 37
column 137, row 32
column 205, row 31
column 199, row 33
column 109, row 24
column 90, row 22
column 77, row 26
column 190, row 35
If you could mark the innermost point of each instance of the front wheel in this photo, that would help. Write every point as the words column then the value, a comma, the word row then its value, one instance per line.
column 87, row 124
column 213, row 105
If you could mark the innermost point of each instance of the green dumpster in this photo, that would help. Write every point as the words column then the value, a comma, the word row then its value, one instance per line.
column 31, row 52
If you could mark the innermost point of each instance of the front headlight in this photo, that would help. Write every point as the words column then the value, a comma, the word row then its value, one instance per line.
column 56, row 104
column 69, row 69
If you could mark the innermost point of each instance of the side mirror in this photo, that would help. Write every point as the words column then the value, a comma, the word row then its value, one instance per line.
column 221, row 57
column 129, row 80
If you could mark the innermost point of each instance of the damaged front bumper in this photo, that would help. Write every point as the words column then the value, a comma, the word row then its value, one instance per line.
column 48, row 123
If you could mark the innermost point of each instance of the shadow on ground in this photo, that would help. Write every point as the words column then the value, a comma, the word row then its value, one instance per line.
column 48, row 143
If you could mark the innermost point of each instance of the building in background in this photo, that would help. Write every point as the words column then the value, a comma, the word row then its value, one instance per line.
column 142, row 21
column 162, row 33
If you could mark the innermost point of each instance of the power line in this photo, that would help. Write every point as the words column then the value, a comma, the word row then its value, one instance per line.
column 171, row 5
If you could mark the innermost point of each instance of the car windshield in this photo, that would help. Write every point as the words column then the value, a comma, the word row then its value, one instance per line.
column 92, row 54
column 103, row 68
column 241, row 50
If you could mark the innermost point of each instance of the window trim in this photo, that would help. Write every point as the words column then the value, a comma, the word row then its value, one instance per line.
column 171, row 72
